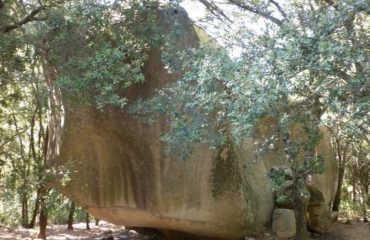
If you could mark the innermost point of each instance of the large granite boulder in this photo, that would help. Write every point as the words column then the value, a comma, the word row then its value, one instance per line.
column 117, row 166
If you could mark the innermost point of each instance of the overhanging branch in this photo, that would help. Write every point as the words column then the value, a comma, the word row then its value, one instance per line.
column 257, row 11
column 279, row 8
column 214, row 9
column 29, row 18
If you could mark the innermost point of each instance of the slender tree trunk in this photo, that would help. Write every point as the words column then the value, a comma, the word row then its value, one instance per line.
column 70, row 216
column 35, row 158
column 97, row 222
column 43, row 219
column 24, row 209
column 364, row 212
column 338, row 194
column 35, row 210
column 299, row 201
column 300, row 212
column 364, row 202
column 342, row 157
column 87, row 221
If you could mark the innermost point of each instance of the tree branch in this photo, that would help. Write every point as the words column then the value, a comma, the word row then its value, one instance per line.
column 282, row 12
column 214, row 9
column 257, row 11
column 30, row 17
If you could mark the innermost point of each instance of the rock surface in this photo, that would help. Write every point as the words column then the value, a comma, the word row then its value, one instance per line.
column 283, row 223
column 118, row 168
column 319, row 214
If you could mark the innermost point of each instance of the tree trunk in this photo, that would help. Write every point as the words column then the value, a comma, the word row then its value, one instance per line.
column 87, row 221
column 338, row 194
column 97, row 222
column 35, row 210
column 299, row 181
column 342, row 157
column 364, row 212
column 300, row 215
column 70, row 216
column 364, row 202
column 24, row 209
column 43, row 219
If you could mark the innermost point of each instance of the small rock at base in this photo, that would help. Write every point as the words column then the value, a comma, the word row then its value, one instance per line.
column 283, row 223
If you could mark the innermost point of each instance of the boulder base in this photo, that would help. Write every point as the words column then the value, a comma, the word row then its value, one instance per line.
column 283, row 223
column 319, row 214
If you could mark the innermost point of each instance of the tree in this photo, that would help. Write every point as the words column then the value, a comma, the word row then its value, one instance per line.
column 22, row 113
column 32, row 36
column 309, row 67
column 70, row 216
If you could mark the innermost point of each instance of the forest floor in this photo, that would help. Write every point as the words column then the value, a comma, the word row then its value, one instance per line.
column 59, row 232
column 106, row 231
column 345, row 231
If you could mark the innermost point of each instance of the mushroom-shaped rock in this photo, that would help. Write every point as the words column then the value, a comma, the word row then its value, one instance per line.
column 118, row 168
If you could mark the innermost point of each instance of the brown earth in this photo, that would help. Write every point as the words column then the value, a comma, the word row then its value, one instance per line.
column 339, row 231
column 343, row 231
column 60, row 232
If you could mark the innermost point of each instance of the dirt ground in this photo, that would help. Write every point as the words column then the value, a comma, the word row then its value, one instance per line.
column 353, row 231
column 106, row 231
column 59, row 232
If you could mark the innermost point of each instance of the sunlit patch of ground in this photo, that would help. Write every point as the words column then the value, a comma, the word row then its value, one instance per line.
column 60, row 232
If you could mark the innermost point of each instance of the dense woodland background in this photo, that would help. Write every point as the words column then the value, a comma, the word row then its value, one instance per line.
column 300, row 62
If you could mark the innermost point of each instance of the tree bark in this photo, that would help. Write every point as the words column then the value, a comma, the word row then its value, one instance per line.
column 342, row 157
column 43, row 219
column 364, row 202
column 24, row 209
column 87, row 221
column 70, row 216
column 300, row 213
column 338, row 194
column 35, row 210
column 299, row 182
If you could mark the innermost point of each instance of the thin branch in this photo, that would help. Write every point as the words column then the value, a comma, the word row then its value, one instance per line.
column 214, row 9
column 277, row 5
column 30, row 17
column 255, row 10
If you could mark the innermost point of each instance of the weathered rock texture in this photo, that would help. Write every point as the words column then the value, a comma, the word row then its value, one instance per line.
column 117, row 166
column 283, row 223
column 319, row 214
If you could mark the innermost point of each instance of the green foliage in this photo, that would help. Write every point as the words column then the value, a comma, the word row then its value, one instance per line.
column 298, row 74
column 9, row 209
column 102, row 51
column 107, row 49
column 306, row 70
column 58, row 209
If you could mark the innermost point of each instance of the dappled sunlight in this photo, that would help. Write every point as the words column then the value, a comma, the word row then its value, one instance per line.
column 60, row 232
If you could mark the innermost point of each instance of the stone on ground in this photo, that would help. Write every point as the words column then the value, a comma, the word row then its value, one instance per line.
column 283, row 223
column 319, row 214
